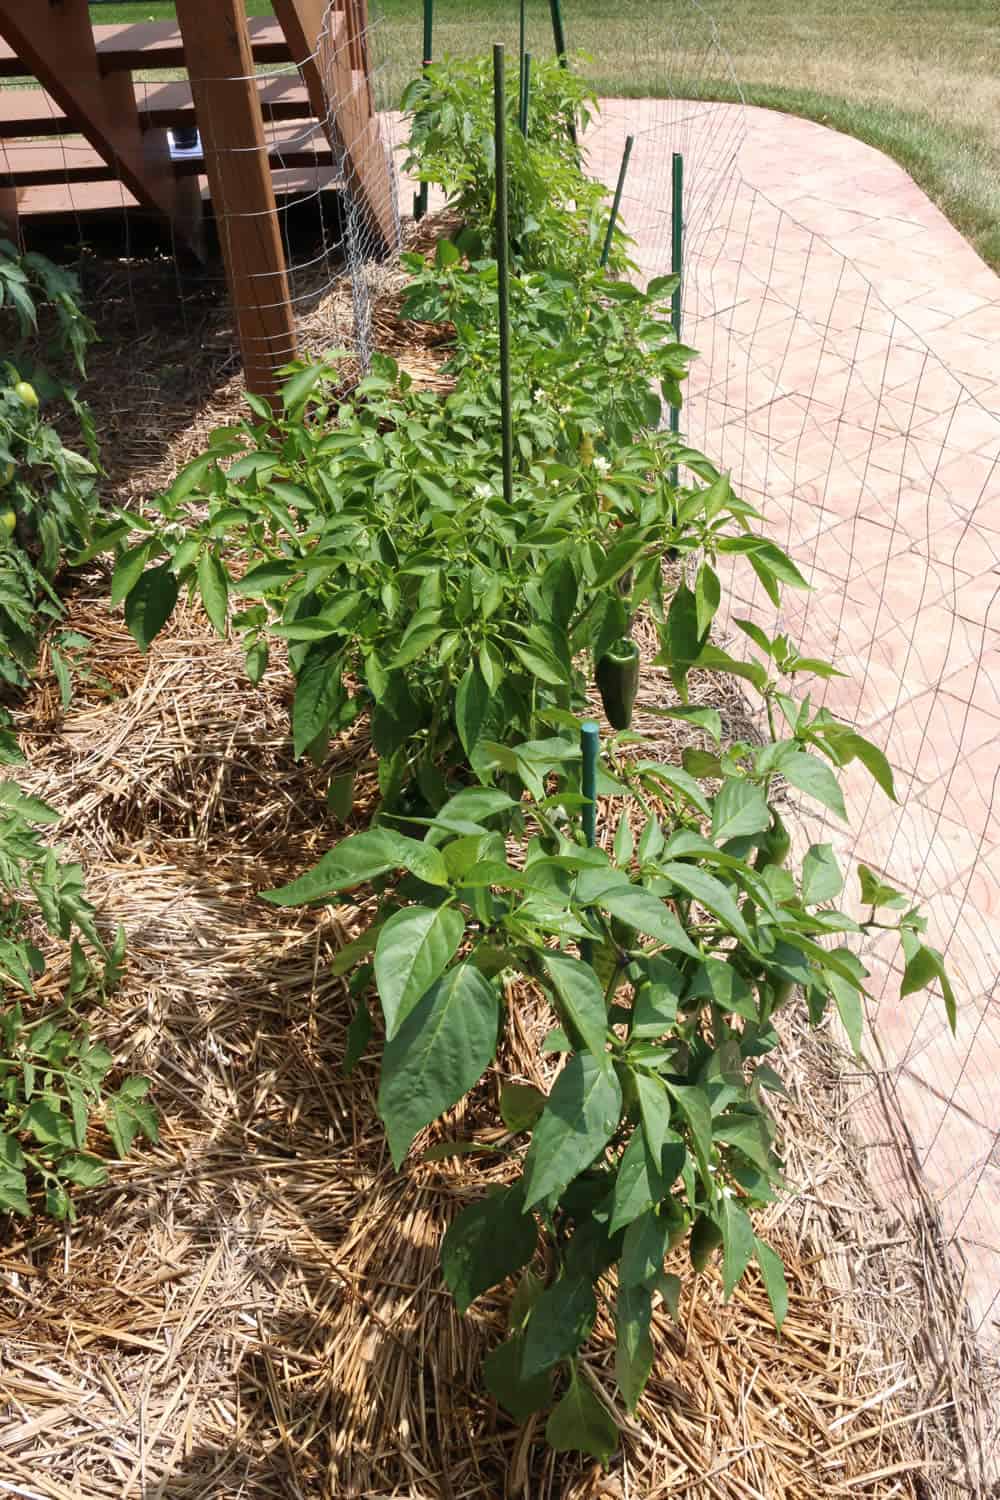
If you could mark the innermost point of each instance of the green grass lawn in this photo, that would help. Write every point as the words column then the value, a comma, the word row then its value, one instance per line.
column 919, row 79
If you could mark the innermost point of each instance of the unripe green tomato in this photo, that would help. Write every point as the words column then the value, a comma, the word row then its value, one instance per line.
column 8, row 521
column 9, row 471
column 706, row 1237
column 26, row 393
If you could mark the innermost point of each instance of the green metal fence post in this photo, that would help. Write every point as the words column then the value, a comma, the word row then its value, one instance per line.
column 420, row 197
column 503, row 273
column 559, row 37
column 677, row 268
column 590, row 745
column 617, row 203
column 525, row 93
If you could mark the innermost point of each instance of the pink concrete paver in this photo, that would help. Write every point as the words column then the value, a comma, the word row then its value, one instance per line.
column 850, row 378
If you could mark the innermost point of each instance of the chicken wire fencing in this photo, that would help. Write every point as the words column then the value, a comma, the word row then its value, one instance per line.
column 879, row 470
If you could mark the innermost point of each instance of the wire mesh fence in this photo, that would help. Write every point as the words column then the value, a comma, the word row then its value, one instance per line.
column 878, row 468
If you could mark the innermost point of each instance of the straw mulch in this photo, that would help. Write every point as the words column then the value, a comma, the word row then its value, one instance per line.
column 254, row 1307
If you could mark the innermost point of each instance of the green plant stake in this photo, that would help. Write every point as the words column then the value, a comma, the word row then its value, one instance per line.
column 525, row 93
column 677, row 267
column 617, row 203
column 617, row 677
column 420, row 197
column 559, row 37
column 503, row 273
column 590, row 745
column 521, row 37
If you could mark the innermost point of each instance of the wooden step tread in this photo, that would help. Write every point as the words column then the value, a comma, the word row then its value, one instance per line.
column 82, row 199
column 41, row 163
column 156, row 44
column 30, row 112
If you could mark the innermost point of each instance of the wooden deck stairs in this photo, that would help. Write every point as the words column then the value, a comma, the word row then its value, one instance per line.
column 80, row 134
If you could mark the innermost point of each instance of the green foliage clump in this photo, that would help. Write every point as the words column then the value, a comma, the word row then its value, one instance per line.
column 52, row 1075
column 369, row 531
column 558, row 214
column 48, row 491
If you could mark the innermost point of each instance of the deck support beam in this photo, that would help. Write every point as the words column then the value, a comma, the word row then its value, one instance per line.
column 227, row 105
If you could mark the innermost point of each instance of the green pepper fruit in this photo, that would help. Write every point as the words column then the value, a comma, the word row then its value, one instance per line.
column 774, row 847
column 26, row 394
column 706, row 1237
column 617, row 677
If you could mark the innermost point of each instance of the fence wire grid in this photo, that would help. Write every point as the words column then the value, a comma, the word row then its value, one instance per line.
column 879, row 470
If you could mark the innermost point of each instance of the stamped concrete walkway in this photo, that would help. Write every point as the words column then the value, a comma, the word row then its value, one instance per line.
column 850, row 378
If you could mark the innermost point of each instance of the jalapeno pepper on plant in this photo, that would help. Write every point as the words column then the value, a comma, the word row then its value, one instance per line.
column 617, row 677
column 775, row 846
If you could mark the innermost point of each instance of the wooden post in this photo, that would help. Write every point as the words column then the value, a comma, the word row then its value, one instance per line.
column 55, row 40
column 227, row 106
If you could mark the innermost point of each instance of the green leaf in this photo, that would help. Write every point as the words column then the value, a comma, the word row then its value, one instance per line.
column 560, row 1322
column 643, row 1250
column 821, row 877
column 83, row 1170
column 645, row 912
column 738, row 1242
column 504, row 1380
column 694, row 1105
column 128, row 571
column 657, row 994
column 638, row 1185
column 442, row 1048
column 472, row 702
column 340, row 796
column 681, row 638
column 295, row 391
column 214, row 586
column 359, row 1034
column 816, row 779
column 487, row 1242
column 923, row 968
column 679, row 781
column 849, row 1007
column 708, row 596
column 13, row 1192
column 708, row 719
column 579, row 1423
column 582, row 997
column 855, row 746
column 150, row 605
column 633, row 1343
column 48, row 1126
column 414, row 948
column 318, row 691
column 540, row 663
column 739, row 809
column 521, row 1105
column 581, row 1114
column 711, row 893
column 773, row 1273
column 360, row 858
column 874, row 893
column 748, row 1134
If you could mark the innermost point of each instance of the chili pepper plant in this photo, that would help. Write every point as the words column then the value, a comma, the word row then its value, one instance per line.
column 368, row 530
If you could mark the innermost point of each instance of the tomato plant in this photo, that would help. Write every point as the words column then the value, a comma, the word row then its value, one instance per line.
column 52, row 1075
column 48, row 491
